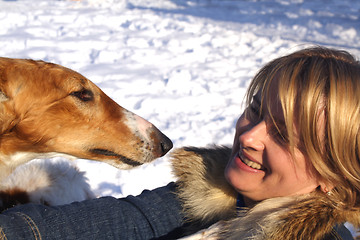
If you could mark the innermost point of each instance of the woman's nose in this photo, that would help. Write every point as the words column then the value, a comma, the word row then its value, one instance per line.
column 254, row 137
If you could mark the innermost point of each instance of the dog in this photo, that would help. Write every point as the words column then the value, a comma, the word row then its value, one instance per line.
column 48, row 110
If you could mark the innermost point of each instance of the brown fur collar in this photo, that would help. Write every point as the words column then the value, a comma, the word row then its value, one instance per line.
column 207, row 197
column 202, row 184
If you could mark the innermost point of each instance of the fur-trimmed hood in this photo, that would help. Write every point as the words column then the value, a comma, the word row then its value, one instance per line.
column 207, row 197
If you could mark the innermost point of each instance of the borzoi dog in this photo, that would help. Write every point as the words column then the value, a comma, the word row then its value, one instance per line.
column 48, row 110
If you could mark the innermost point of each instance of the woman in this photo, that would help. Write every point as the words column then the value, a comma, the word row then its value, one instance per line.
column 296, row 153
column 293, row 173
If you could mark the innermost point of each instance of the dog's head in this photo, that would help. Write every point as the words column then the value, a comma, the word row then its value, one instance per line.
column 48, row 108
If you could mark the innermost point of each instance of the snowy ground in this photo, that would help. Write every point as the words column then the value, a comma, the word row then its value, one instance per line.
column 183, row 65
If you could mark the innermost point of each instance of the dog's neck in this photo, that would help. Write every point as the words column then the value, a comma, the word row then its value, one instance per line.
column 9, row 162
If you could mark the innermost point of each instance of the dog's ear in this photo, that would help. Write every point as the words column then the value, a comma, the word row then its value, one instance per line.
column 3, row 97
column 7, row 111
column 7, row 114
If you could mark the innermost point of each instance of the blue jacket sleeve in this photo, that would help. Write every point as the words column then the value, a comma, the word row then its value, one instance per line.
column 150, row 215
column 339, row 232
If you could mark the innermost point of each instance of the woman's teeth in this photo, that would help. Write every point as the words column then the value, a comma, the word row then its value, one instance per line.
column 251, row 164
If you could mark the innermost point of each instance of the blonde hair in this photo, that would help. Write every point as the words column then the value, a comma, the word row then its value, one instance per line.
column 312, row 81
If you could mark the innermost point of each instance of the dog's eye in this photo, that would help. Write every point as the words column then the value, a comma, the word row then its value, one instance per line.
column 84, row 95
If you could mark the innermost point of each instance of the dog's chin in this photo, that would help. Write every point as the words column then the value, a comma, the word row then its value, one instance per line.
column 117, row 160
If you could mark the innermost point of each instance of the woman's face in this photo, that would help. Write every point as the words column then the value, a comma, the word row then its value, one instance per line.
column 261, row 166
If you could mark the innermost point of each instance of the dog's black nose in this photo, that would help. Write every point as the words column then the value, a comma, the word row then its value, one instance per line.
column 164, row 143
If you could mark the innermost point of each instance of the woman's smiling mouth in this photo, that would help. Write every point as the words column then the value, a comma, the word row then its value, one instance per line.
column 254, row 165
column 251, row 164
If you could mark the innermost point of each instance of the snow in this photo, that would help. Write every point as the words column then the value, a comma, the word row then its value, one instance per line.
column 182, row 65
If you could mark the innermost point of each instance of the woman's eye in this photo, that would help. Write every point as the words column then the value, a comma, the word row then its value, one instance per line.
column 279, row 134
column 84, row 95
column 253, row 112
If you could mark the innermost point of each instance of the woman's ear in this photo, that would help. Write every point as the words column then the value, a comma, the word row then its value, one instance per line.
column 326, row 187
